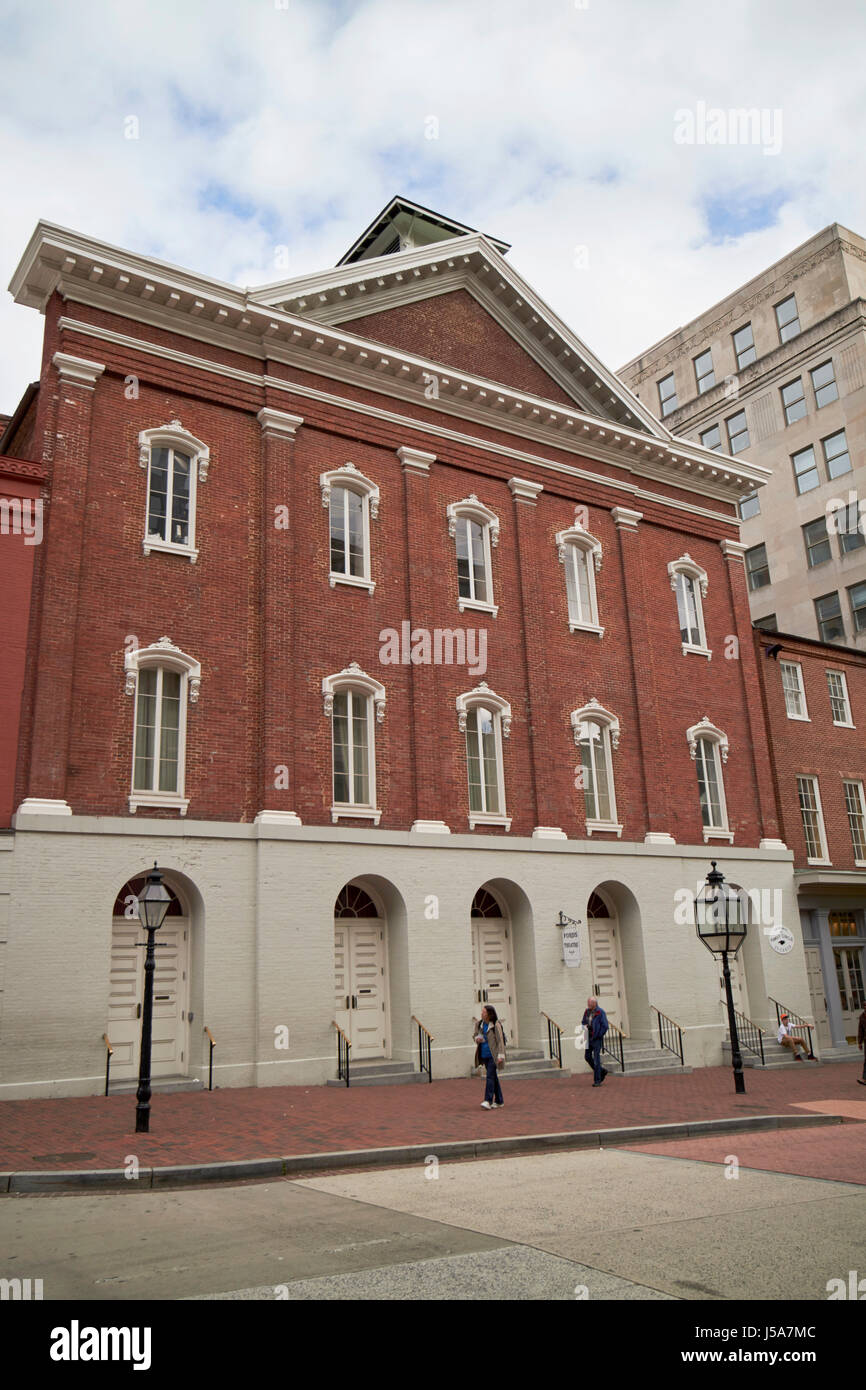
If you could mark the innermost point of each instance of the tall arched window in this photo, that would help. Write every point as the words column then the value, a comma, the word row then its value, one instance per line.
column 689, row 583
column 580, row 554
column 596, row 734
column 485, row 718
column 475, row 529
column 176, row 462
column 163, row 680
column 351, row 500
column 355, row 703
column 709, row 748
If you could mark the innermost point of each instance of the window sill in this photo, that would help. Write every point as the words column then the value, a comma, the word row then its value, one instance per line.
column 860, row 863
column 601, row 826
column 586, row 627
column 842, row 724
column 355, row 813
column 164, row 800
column 696, row 651
column 352, row 581
column 801, row 718
column 712, row 834
column 486, row 818
column 827, row 863
column 473, row 606
column 188, row 551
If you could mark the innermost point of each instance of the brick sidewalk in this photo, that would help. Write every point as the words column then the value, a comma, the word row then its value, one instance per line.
column 273, row 1122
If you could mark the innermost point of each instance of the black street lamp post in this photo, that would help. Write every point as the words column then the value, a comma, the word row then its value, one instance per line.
column 153, row 904
column 721, row 923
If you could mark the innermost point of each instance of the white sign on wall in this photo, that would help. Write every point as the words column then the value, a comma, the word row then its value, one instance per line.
column 571, row 952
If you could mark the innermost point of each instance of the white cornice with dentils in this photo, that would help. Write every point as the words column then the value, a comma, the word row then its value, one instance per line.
column 207, row 310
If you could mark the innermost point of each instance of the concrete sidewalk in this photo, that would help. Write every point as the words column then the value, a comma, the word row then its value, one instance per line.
column 273, row 1129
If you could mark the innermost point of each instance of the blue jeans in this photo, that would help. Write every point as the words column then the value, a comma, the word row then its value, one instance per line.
column 492, row 1090
column 593, row 1057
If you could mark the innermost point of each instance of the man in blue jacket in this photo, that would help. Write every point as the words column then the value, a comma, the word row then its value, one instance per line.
column 596, row 1025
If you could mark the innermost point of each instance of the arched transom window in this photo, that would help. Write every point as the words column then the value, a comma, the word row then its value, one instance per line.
column 475, row 529
column 689, row 583
column 709, row 748
column 163, row 680
column 485, row 719
column 355, row 703
column 596, row 734
column 351, row 499
column 580, row 555
column 176, row 462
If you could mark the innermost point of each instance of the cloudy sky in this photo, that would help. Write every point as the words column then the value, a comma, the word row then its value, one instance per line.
column 556, row 125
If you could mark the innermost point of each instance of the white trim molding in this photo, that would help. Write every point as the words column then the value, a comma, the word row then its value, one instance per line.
column 352, row 480
column 277, row 818
column 176, row 437
column 471, row 507
column 163, row 656
column 592, row 710
column 524, row 491
column 173, row 436
column 416, row 461
column 734, row 550
column 483, row 695
column 575, row 535
column 429, row 827
column 687, row 568
column 43, row 806
column 279, row 423
column 163, row 653
column 548, row 832
column 353, row 678
column 78, row 371
column 704, row 729
column 686, row 565
column 624, row 519
column 351, row 477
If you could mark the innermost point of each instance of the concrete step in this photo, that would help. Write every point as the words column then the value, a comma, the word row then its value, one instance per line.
column 163, row 1085
column 381, row 1073
column 775, row 1057
column 533, row 1071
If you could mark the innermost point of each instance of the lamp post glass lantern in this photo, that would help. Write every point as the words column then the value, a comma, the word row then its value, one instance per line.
column 721, row 917
column 153, row 904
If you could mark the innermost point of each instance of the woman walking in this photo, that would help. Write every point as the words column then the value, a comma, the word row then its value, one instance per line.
column 490, row 1040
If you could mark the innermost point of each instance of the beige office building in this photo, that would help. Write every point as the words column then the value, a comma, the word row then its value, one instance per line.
column 777, row 372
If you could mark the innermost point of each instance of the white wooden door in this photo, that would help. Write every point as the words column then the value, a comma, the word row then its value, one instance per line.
column 849, row 977
column 607, row 980
column 170, row 1045
column 739, row 990
column 360, row 986
column 815, row 977
column 493, row 971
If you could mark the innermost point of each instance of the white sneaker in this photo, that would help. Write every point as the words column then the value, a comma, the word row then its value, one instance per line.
column 495, row 1104
column 485, row 1105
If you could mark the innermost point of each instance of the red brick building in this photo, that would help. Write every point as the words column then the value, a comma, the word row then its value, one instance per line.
column 815, row 703
column 375, row 608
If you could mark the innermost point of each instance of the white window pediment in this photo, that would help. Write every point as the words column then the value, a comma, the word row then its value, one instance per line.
column 353, row 678
column 471, row 507
column 351, row 477
column 483, row 695
column 599, row 715
column 163, row 653
column 704, row 729
column 686, row 565
column 174, row 436
column 575, row 535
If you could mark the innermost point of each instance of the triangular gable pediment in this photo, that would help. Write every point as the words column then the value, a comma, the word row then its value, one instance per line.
column 369, row 290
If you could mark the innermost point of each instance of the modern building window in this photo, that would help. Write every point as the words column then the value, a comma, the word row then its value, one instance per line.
column 709, row 748
column 351, row 500
column 749, row 506
column 828, row 611
column 857, row 598
column 175, row 461
column 813, row 819
column 744, row 345
column 355, row 703
column 475, row 529
column 580, row 554
column 792, row 686
column 854, row 805
column 757, row 567
column 837, row 688
column 712, row 438
column 805, row 470
column 824, row 384
column 163, row 680
column 836, row 454
column 485, row 718
column 667, row 395
column 767, row 623
column 596, row 734
column 848, row 522
column 704, row 374
column 794, row 401
column 787, row 319
column 689, row 583
column 817, row 542
column 738, row 432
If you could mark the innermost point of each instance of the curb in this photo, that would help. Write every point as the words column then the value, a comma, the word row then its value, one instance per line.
column 300, row 1164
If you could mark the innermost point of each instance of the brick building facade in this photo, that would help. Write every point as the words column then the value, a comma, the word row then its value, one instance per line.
column 378, row 612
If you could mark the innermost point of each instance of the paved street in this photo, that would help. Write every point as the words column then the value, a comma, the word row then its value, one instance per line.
column 614, row 1224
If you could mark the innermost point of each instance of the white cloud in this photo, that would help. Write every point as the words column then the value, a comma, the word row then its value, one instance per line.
column 263, row 126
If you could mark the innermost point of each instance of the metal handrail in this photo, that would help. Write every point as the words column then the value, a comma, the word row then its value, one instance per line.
column 554, row 1039
column 343, row 1048
column 750, row 1035
column 210, row 1070
column 666, row 1030
column 797, row 1019
column 109, row 1053
column 614, row 1035
column 425, row 1039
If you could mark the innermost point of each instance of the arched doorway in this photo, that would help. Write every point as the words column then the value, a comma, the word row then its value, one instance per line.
column 170, row 1044
column 361, row 973
column 493, row 979
column 608, row 983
